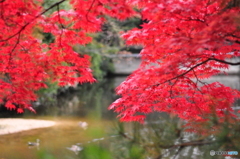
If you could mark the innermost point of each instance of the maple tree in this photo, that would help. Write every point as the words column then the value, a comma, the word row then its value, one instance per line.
column 184, row 42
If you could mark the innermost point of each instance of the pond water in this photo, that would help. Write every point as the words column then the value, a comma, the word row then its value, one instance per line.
column 87, row 104
column 54, row 141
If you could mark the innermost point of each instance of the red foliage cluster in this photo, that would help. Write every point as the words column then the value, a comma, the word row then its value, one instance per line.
column 27, row 63
column 184, row 42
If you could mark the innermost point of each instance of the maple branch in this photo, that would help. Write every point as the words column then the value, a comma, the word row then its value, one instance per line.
column 178, row 151
column 171, row 92
column 234, row 36
column 235, row 41
column 28, row 23
column 59, row 18
column 199, row 64
column 225, row 62
column 90, row 10
column 14, row 47
column 62, row 27
column 198, row 80
column 184, row 73
column 191, row 19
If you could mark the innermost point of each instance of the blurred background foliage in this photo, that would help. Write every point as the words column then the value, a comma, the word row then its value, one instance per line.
column 48, row 3
column 107, row 42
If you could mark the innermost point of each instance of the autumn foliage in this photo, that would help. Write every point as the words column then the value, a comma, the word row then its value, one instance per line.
column 184, row 41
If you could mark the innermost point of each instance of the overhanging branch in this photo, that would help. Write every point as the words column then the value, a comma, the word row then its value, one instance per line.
column 23, row 27
column 225, row 62
column 199, row 64
column 189, row 70
column 233, row 41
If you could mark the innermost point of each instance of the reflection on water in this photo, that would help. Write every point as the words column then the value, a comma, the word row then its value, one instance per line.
column 81, row 116
column 87, row 100
column 85, row 130
column 54, row 141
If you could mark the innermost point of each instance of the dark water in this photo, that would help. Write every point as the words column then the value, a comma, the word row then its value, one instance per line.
column 89, row 104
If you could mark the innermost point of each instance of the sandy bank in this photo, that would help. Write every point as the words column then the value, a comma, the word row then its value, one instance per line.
column 13, row 125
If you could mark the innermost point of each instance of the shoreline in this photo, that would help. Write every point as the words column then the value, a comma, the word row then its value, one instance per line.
column 14, row 125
